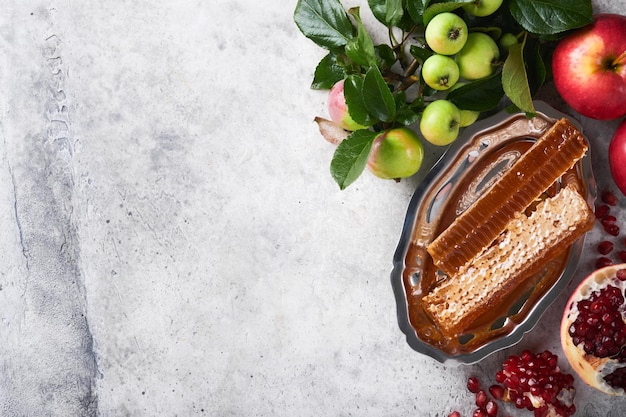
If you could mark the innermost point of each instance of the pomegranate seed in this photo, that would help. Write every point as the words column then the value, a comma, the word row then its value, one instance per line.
column 609, row 198
column 602, row 262
column 602, row 211
column 621, row 274
column 481, row 399
column 535, row 375
column 497, row 391
column 608, row 219
column 479, row 412
column 605, row 247
column 473, row 385
column 599, row 324
column 622, row 255
column 491, row 408
column 454, row 414
column 611, row 229
column 500, row 377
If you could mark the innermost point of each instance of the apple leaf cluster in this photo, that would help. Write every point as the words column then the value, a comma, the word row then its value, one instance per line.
column 383, row 84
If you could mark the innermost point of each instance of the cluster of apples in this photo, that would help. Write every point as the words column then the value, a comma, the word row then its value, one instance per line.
column 458, row 56
column 589, row 69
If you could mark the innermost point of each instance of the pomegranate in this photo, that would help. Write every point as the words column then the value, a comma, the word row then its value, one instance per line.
column 593, row 330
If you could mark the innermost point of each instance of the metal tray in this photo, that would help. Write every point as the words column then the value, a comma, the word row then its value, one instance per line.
column 472, row 163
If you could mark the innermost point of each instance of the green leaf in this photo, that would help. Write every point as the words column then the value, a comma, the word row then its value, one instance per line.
column 394, row 12
column 535, row 66
column 493, row 31
column 353, row 93
column 515, row 79
column 327, row 73
column 548, row 17
column 350, row 157
column 421, row 54
column 407, row 113
column 377, row 95
column 387, row 12
column 379, row 10
column 436, row 8
column 325, row 22
column 361, row 48
column 385, row 55
column 415, row 9
column 481, row 95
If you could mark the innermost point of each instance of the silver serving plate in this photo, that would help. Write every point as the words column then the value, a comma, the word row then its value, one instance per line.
column 473, row 162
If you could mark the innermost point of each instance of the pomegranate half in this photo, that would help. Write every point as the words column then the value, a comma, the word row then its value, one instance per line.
column 593, row 330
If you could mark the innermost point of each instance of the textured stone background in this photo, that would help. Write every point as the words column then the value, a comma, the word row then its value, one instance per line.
column 172, row 242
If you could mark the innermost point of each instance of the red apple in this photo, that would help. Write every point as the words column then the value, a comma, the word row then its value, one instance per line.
column 617, row 157
column 589, row 68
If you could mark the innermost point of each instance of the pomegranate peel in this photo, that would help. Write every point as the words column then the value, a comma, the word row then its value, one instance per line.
column 593, row 330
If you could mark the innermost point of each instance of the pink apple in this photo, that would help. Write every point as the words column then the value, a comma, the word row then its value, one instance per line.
column 617, row 157
column 338, row 110
column 589, row 68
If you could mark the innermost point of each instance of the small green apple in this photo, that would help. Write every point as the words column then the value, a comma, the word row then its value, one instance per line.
column 446, row 33
column 396, row 153
column 468, row 117
column 507, row 40
column 440, row 72
column 476, row 59
column 482, row 8
column 440, row 122
column 338, row 110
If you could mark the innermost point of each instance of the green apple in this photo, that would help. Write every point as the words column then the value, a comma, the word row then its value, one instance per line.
column 446, row 33
column 440, row 72
column 396, row 153
column 476, row 59
column 468, row 117
column 507, row 40
column 482, row 8
column 440, row 122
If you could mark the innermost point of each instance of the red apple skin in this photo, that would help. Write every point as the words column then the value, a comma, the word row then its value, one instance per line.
column 589, row 68
column 617, row 157
column 338, row 110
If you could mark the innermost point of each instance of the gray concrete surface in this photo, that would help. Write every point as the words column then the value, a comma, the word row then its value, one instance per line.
column 172, row 242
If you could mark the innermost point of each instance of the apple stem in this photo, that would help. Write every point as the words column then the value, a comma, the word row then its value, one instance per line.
column 403, row 81
column 392, row 39
column 619, row 60
column 410, row 70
